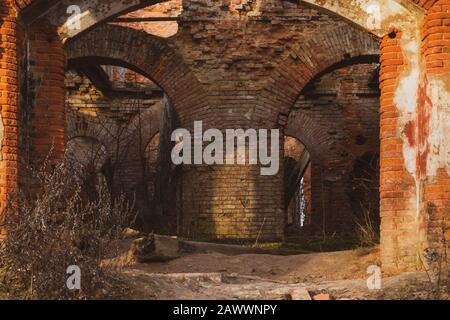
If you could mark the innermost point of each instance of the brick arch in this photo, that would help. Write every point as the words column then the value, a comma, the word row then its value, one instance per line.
column 98, row 128
column 308, row 60
column 154, row 57
column 315, row 138
column 302, row 127
column 142, row 127
column 131, row 169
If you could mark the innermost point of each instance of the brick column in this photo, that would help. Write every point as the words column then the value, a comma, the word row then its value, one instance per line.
column 47, row 62
column 398, row 187
column 434, row 127
column 231, row 202
column 8, row 102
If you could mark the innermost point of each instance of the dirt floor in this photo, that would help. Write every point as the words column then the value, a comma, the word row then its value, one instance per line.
column 342, row 275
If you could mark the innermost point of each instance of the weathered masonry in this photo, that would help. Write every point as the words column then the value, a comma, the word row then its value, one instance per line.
column 349, row 83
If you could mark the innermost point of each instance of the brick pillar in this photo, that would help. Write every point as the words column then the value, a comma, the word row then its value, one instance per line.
column 434, row 127
column 47, row 62
column 8, row 103
column 231, row 202
column 398, row 198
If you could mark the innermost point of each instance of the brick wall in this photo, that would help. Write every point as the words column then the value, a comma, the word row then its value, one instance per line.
column 397, row 190
column 159, row 28
column 124, row 126
column 232, row 202
column 47, row 121
column 84, row 98
column 9, row 102
column 434, row 113
column 223, row 68
column 343, row 105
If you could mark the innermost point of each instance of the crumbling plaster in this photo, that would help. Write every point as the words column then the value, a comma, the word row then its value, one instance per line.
column 438, row 90
column 377, row 16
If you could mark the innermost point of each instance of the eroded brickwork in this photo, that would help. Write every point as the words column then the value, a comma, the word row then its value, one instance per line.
column 244, row 64
column 84, row 98
column 121, row 126
column 398, row 189
column 168, row 9
column 434, row 127
column 9, row 102
column 342, row 107
column 46, row 64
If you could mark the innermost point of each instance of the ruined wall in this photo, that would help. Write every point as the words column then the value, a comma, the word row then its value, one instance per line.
column 46, row 63
column 231, row 54
column 253, row 59
column 9, row 103
column 397, row 185
column 344, row 103
column 434, row 131
column 83, row 97
column 122, row 125
column 168, row 9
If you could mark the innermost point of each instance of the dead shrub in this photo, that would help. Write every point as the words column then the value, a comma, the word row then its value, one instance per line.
column 58, row 226
column 367, row 231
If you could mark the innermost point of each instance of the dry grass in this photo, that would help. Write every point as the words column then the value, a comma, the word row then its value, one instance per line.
column 60, row 227
column 368, row 234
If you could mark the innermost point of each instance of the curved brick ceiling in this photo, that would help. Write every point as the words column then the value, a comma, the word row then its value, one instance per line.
column 22, row 4
column 92, row 12
column 377, row 17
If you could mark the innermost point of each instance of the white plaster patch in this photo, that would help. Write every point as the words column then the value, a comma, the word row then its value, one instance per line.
column 373, row 9
column 391, row 8
column 406, row 95
column 376, row 16
column 407, row 90
column 410, row 155
column 439, row 126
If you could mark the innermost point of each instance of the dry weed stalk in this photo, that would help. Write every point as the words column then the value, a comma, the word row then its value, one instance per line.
column 58, row 227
